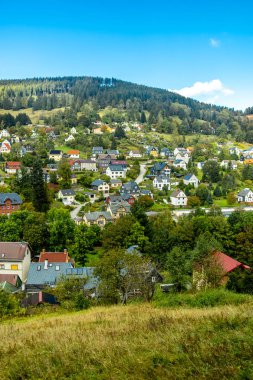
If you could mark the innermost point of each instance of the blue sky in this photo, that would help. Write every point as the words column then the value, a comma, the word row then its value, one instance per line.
column 202, row 49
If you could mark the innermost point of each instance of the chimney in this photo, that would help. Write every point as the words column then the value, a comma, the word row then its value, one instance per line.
column 65, row 251
column 46, row 264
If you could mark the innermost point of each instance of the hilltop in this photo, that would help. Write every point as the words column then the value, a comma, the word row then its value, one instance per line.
column 132, row 342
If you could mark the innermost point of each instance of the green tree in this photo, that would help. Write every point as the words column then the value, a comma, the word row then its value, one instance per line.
column 179, row 267
column 61, row 229
column 40, row 198
column 85, row 238
column 64, row 173
column 211, row 171
column 119, row 133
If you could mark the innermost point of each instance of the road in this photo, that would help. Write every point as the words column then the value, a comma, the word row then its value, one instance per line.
column 74, row 212
column 143, row 169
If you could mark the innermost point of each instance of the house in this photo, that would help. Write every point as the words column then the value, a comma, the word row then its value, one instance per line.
column 100, row 218
column 178, row 198
column 15, row 259
column 130, row 187
column 9, row 202
column 73, row 131
column 200, row 165
column 152, row 151
column 121, row 198
column 160, row 168
column 160, row 181
column 180, row 164
column 92, row 196
column 184, row 156
column 11, row 167
column 4, row 134
column 116, row 171
column 245, row 195
column 88, row 165
column 43, row 275
column 67, row 196
column 229, row 164
column 73, row 179
column 55, row 257
column 100, row 185
column 55, row 155
column 234, row 150
column 115, row 183
column 146, row 192
column 119, row 162
column 10, row 283
column 114, row 152
column 118, row 209
column 225, row 265
column 165, row 152
column 97, row 150
column 74, row 153
column 134, row 154
column 5, row 147
column 69, row 138
column 191, row 179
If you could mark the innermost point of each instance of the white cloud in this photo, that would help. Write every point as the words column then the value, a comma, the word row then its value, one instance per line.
column 212, row 89
column 214, row 42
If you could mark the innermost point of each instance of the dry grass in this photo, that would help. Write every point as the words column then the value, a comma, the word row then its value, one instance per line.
column 133, row 342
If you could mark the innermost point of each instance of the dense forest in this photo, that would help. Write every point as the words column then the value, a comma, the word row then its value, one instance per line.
column 134, row 102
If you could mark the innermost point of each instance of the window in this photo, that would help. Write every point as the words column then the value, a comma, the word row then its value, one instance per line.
column 14, row 267
column 153, row 279
column 57, row 267
column 2, row 266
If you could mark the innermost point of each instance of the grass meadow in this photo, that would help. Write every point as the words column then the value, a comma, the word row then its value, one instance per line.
column 139, row 341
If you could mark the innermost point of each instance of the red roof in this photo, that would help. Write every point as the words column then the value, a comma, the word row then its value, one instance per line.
column 54, row 257
column 13, row 164
column 228, row 263
column 74, row 151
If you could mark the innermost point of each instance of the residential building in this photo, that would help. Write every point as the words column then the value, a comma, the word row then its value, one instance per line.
column 160, row 168
column 55, row 154
column 165, row 152
column 115, row 183
column 12, row 167
column 101, row 186
column 134, row 154
column 178, row 198
column 15, row 259
column 67, row 196
column 130, row 187
column 191, row 179
column 180, row 164
column 5, row 147
column 116, row 171
column 45, row 274
column 159, row 182
column 100, row 218
column 229, row 164
column 245, row 196
column 69, row 138
column 97, row 150
column 55, row 257
column 74, row 153
column 152, row 151
column 9, row 202
column 118, row 209
column 88, row 165
column 4, row 134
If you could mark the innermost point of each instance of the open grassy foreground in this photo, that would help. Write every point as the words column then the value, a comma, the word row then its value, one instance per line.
column 132, row 342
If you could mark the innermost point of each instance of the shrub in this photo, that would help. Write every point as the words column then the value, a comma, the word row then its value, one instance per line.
column 9, row 305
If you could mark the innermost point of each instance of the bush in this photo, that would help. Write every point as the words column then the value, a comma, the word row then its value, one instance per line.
column 210, row 298
column 9, row 305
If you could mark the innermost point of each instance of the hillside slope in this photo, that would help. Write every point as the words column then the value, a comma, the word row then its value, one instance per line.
column 133, row 342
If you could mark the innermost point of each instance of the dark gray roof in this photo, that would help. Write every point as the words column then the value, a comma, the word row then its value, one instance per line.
column 37, row 275
column 14, row 197
column 97, row 182
column 55, row 151
column 114, row 206
column 115, row 168
column 93, row 216
column 67, row 192
column 244, row 192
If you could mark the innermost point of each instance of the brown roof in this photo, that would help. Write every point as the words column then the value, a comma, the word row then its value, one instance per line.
column 13, row 251
column 11, row 278
column 54, row 257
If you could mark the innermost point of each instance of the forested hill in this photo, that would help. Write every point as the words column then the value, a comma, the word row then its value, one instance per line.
column 134, row 102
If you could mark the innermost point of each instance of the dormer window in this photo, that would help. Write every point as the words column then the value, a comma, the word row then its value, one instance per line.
column 57, row 267
column 39, row 267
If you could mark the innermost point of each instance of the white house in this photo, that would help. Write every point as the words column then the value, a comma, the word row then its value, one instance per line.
column 245, row 195
column 134, row 154
column 180, row 164
column 160, row 181
column 101, row 186
column 178, row 198
column 67, row 196
column 74, row 153
column 69, row 138
column 15, row 259
column 73, row 131
column 229, row 164
column 4, row 134
column 116, row 171
column 55, row 154
column 191, row 179
column 5, row 147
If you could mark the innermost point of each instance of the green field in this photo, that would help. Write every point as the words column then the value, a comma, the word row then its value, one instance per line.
column 139, row 341
column 35, row 116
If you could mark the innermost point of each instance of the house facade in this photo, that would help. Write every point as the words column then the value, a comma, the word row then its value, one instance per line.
column 101, row 186
column 9, row 202
column 116, row 171
column 191, row 179
column 160, row 181
column 67, row 196
column 55, row 155
column 15, row 259
column 12, row 167
column 245, row 196
column 178, row 198
column 100, row 218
